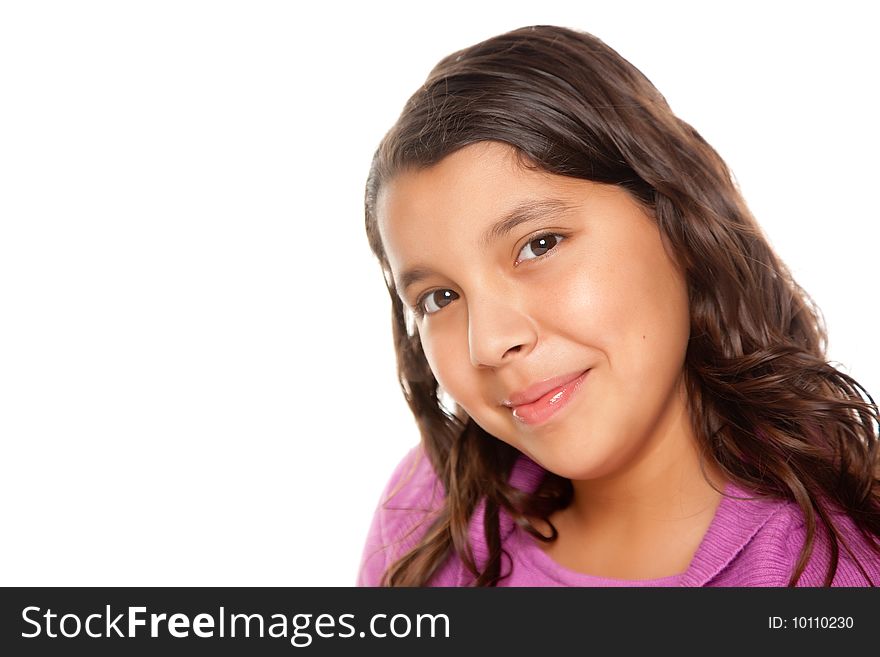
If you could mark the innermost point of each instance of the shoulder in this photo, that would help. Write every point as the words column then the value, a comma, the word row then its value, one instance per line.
column 855, row 553
column 407, row 503
column 411, row 499
column 769, row 554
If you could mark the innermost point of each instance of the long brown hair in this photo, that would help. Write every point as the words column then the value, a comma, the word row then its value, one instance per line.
column 766, row 405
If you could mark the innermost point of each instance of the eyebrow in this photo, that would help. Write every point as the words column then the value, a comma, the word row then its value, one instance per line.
column 528, row 211
column 523, row 213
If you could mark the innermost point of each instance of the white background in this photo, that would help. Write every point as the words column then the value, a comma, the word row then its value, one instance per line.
column 197, row 385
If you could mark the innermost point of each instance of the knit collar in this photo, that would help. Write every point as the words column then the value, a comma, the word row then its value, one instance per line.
column 739, row 516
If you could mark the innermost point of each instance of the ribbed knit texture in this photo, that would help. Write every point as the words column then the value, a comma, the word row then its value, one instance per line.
column 750, row 542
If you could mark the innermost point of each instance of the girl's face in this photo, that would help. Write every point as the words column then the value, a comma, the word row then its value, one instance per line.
column 547, row 307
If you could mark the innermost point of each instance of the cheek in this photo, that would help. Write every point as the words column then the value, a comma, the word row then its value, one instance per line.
column 447, row 360
column 633, row 311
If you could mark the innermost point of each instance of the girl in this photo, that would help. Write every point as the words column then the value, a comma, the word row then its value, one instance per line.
column 616, row 380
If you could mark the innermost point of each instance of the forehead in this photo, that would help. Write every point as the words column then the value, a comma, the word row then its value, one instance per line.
column 458, row 197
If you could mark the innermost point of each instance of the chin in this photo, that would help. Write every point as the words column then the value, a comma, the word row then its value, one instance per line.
column 579, row 462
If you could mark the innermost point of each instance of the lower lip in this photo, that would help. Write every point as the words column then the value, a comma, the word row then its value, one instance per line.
column 541, row 410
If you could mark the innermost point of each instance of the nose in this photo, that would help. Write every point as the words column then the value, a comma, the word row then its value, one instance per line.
column 498, row 331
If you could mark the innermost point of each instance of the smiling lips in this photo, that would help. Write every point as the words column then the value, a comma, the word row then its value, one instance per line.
column 537, row 403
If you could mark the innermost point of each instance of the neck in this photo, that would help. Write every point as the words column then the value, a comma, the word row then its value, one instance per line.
column 667, row 480
column 647, row 519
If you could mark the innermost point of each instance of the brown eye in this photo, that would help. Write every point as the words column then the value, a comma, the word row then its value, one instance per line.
column 539, row 246
column 435, row 300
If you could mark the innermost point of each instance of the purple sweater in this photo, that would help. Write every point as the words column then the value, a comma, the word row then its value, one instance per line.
column 750, row 542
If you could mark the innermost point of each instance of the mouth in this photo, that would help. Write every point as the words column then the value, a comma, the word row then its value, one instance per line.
column 540, row 402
